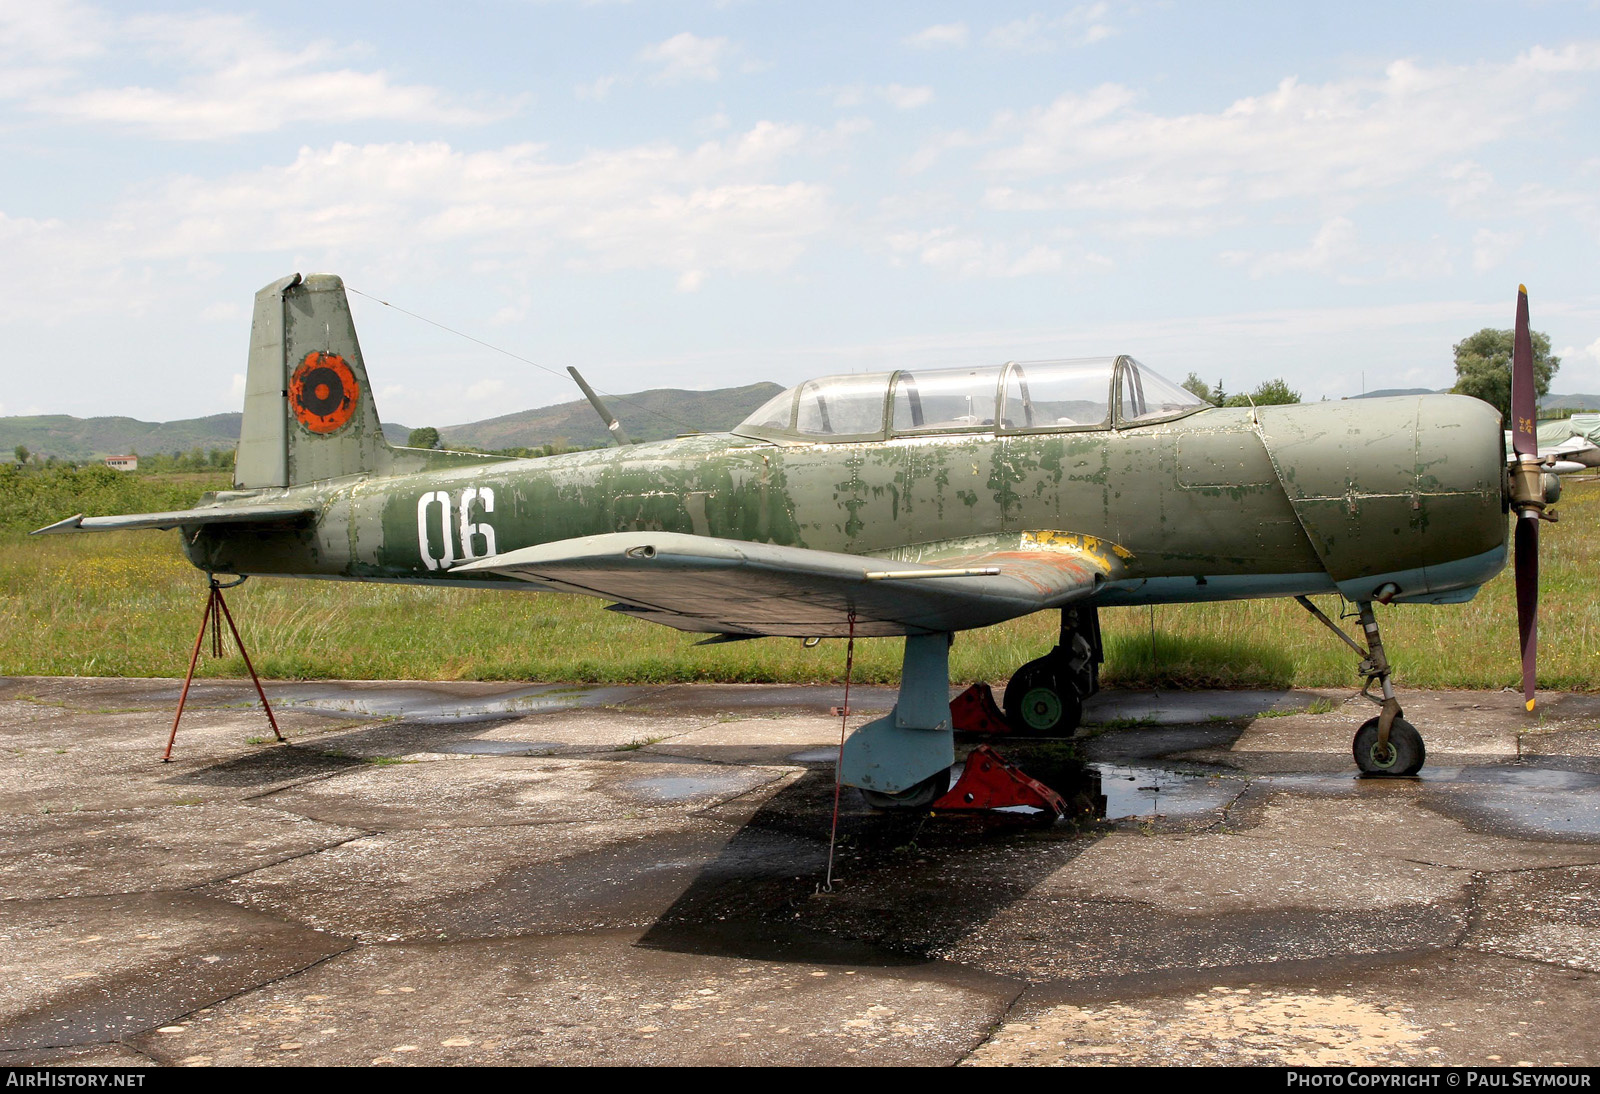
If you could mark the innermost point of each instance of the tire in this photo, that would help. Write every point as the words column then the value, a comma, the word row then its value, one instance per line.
column 924, row 794
column 1040, row 702
column 1406, row 751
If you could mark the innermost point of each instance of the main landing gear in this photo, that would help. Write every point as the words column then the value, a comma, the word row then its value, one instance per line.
column 1387, row 745
column 1044, row 698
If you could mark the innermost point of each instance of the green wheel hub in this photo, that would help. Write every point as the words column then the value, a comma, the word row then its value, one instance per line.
column 1041, row 708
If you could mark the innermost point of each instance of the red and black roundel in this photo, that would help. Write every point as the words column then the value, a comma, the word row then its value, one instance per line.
column 323, row 392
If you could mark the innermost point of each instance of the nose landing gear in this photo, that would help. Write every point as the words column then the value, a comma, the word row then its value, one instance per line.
column 1387, row 745
column 1044, row 697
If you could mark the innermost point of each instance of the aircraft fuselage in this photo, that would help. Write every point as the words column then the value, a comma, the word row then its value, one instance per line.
column 1221, row 504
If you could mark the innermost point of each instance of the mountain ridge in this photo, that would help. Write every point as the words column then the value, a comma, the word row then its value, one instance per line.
column 654, row 414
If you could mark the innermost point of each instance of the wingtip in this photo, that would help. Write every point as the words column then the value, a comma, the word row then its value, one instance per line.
column 71, row 524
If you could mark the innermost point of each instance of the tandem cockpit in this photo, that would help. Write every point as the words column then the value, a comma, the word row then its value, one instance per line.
column 1018, row 397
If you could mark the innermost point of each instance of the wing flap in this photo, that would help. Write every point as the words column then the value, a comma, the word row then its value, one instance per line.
column 219, row 514
column 710, row 585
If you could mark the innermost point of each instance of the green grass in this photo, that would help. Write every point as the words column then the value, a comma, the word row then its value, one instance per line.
column 127, row 604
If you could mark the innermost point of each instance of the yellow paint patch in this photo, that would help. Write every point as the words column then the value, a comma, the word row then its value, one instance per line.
column 1095, row 549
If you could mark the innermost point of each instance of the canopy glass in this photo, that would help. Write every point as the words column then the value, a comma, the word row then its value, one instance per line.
column 1018, row 397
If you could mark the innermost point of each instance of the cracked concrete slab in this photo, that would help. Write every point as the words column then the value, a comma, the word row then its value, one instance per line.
column 149, row 849
column 635, row 879
column 1453, row 1008
column 478, row 791
column 1544, row 915
column 506, row 880
column 90, row 969
column 573, row 999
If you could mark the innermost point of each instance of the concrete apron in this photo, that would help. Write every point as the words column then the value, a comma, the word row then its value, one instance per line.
column 467, row 873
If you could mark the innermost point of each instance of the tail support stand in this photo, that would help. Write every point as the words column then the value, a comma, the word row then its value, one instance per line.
column 216, row 611
column 1374, row 664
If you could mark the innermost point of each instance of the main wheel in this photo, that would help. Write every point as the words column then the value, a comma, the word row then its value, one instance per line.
column 924, row 794
column 1040, row 701
column 1405, row 753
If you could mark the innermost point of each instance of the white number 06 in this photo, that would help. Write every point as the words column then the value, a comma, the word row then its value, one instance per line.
column 470, row 533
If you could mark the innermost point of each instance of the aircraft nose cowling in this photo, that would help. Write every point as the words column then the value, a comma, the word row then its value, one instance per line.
column 1399, row 491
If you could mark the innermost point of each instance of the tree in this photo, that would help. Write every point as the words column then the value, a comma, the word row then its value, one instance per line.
column 1483, row 367
column 426, row 437
column 1267, row 393
column 1199, row 388
column 21, row 452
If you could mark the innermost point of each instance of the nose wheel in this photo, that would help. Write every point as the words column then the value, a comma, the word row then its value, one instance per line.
column 1402, row 755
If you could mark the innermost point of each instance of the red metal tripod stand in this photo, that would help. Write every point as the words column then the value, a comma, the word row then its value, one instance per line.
column 216, row 611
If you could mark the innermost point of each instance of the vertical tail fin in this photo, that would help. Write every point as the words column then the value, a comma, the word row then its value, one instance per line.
column 308, row 409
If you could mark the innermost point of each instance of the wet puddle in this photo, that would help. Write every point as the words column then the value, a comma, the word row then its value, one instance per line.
column 676, row 788
column 497, row 748
column 1163, row 792
column 1536, row 801
column 815, row 756
column 416, row 705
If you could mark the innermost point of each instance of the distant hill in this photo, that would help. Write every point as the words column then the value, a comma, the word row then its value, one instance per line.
column 1570, row 402
column 91, row 438
column 647, row 415
column 1384, row 393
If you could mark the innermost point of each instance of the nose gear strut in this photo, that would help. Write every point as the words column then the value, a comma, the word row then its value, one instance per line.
column 1387, row 744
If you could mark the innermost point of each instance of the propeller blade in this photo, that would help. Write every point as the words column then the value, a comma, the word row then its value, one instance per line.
column 1523, row 409
column 1529, row 510
column 1527, row 575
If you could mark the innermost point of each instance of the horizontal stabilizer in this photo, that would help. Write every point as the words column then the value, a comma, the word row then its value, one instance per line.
column 217, row 514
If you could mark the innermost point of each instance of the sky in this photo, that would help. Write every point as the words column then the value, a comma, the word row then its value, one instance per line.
column 706, row 194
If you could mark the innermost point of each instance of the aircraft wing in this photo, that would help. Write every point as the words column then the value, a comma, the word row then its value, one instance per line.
column 217, row 514
column 700, row 583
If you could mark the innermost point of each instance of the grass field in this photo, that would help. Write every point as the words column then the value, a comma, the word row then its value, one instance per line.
column 127, row 604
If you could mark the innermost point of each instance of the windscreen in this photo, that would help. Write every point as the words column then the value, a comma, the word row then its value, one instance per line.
column 1147, row 396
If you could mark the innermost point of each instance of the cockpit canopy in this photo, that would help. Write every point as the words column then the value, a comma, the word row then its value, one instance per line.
column 1018, row 397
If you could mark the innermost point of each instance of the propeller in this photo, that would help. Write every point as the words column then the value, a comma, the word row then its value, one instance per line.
column 1527, row 495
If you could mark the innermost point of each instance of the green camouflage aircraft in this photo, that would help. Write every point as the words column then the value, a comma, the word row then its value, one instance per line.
column 916, row 503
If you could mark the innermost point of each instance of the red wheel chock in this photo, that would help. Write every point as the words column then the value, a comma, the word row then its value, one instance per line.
column 989, row 782
column 975, row 711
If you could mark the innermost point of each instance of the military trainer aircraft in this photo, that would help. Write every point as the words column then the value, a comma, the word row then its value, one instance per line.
column 916, row 502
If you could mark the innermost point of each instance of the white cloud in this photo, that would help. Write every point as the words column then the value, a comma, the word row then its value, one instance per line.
column 967, row 256
column 907, row 98
column 1489, row 249
column 686, row 57
column 1334, row 244
column 939, row 36
column 235, row 79
column 1301, row 141
column 222, row 312
column 597, row 90
column 722, row 206
column 1335, row 251
column 1083, row 25
column 896, row 95
column 51, row 32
